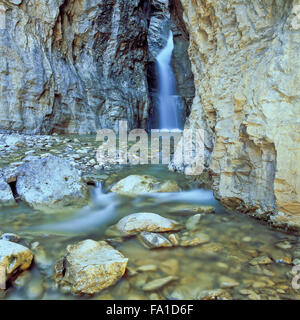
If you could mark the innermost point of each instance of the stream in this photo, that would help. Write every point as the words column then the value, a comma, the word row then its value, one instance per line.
column 224, row 262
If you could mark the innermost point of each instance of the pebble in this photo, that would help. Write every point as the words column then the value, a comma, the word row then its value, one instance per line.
column 222, row 266
column 284, row 245
column 247, row 239
column 154, row 240
column 227, row 283
column 146, row 268
column 140, row 280
column 158, row 283
column 194, row 239
column 263, row 260
column 170, row 267
column 154, row 296
column 259, row 285
column 217, row 294
column 35, row 289
column 192, row 222
column 174, row 239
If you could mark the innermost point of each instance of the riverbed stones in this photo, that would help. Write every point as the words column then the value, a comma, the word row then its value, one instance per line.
column 14, row 258
column 227, row 282
column 89, row 267
column 147, row 268
column 145, row 221
column 262, row 260
column 170, row 267
column 143, row 184
column 190, row 209
column 284, row 245
column 154, row 240
column 193, row 222
column 173, row 237
column 51, row 182
column 158, row 283
column 217, row 294
column 195, row 239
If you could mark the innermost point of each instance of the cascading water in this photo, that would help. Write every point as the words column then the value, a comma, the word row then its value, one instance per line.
column 170, row 105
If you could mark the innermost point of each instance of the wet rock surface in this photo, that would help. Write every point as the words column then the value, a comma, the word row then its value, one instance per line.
column 145, row 221
column 89, row 267
column 214, row 256
column 138, row 184
column 50, row 182
column 14, row 258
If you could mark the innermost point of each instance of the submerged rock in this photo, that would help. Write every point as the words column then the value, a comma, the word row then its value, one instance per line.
column 192, row 240
column 154, row 240
column 51, row 182
column 217, row 294
column 188, row 209
column 228, row 283
column 89, row 266
column 14, row 258
column 193, row 222
column 150, row 222
column 284, row 245
column 162, row 240
column 147, row 268
column 143, row 184
column 261, row 261
column 170, row 266
column 158, row 283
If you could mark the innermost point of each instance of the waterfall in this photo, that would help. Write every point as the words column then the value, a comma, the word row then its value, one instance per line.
column 170, row 105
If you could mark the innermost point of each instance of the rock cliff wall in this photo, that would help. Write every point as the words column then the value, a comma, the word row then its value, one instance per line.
column 245, row 60
column 73, row 66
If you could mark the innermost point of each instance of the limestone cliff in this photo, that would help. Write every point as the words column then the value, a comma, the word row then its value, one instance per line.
column 245, row 60
column 73, row 66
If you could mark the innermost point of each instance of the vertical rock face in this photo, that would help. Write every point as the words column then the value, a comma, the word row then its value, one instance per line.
column 181, row 63
column 245, row 59
column 73, row 66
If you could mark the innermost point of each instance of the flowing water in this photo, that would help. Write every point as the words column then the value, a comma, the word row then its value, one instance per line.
column 234, row 240
column 170, row 105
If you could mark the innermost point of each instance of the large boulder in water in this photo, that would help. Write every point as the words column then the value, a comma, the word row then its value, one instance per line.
column 51, row 182
column 14, row 258
column 89, row 266
column 143, row 184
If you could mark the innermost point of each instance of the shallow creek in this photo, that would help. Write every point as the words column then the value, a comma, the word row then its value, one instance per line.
column 222, row 262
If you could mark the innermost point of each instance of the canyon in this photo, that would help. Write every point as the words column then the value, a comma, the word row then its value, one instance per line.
column 73, row 227
column 72, row 67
